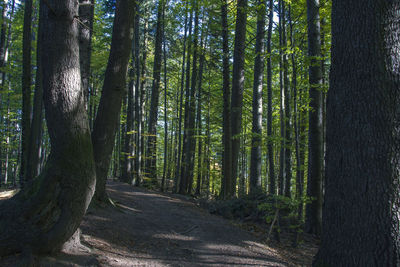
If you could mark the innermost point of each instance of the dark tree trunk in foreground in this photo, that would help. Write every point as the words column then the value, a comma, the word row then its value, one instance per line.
column 361, row 223
column 45, row 214
column 238, row 87
column 227, row 129
column 255, row 163
column 315, row 154
column 26, row 89
column 151, row 162
column 271, row 166
column 114, row 89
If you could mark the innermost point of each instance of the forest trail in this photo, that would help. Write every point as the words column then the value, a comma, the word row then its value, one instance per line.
column 153, row 229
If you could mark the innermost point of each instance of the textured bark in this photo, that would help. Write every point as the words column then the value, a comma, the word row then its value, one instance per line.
column 26, row 89
column 48, row 210
column 151, row 162
column 361, row 218
column 315, row 154
column 114, row 89
column 238, row 87
column 227, row 128
column 255, row 163
column 271, row 165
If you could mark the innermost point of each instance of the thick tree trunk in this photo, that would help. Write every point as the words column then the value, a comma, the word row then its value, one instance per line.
column 45, row 214
column 226, row 91
column 271, row 165
column 255, row 163
column 26, row 90
column 238, row 87
column 315, row 154
column 151, row 162
column 114, row 89
column 361, row 220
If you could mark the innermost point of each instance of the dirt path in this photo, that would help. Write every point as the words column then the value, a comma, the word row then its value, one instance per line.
column 153, row 229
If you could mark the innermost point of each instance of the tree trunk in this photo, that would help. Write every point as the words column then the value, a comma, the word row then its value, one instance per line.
column 178, row 168
column 282, row 154
column 255, row 161
column 191, row 147
column 272, row 186
column 288, row 114
column 165, row 104
column 361, row 220
column 33, row 163
column 315, row 154
column 86, row 13
column 114, row 89
column 183, row 178
column 238, row 87
column 26, row 90
column 199, row 122
column 138, row 103
column 151, row 162
column 45, row 214
column 227, row 128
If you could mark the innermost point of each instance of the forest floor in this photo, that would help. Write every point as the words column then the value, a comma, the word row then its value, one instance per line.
column 153, row 229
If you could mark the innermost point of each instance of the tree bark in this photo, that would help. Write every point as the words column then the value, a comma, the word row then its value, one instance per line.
column 361, row 211
column 315, row 154
column 271, row 165
column 114, row 89
column 151, row 162
column 227, row 128
column 255, row 162
column 45, row 214
column 238, row 87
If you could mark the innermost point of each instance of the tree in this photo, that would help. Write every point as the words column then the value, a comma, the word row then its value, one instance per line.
column 272, row 187
column 255, row 163
column 114, row 89
column 361, row 212
column 238, row 87
column 315, row 154
column 227, row 128
column 151, row 162
column 48, row 210
column 26, row 90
